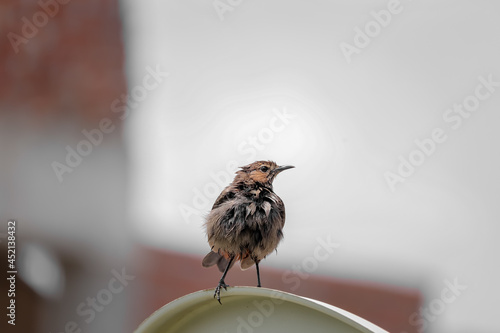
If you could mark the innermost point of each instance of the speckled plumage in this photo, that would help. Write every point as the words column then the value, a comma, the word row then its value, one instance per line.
column 246, row 220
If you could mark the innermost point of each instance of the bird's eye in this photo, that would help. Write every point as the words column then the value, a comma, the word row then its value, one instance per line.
column 264, row 168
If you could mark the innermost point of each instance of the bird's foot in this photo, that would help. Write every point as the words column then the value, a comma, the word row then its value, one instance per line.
column 221, row 284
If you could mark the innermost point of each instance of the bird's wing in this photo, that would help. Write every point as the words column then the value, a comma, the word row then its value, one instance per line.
column 210, row 259
column 226, row 194
column 214, row 258
column 282, row 212
column 279, row 206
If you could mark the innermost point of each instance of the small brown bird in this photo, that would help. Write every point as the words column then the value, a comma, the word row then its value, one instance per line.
column 246, row 220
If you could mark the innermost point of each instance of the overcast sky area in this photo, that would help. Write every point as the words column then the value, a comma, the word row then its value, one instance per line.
column 388, row 110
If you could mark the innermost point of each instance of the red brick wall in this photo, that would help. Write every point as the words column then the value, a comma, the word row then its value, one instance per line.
column 64, row 58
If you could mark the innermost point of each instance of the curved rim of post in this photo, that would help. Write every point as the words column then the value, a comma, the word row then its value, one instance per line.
column 203, row 295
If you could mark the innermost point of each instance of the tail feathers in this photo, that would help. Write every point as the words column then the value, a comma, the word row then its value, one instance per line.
column 246, row 263
column 210, row 259
column 213, row 258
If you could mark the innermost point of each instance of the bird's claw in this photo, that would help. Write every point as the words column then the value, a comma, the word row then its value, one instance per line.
column 217, row 290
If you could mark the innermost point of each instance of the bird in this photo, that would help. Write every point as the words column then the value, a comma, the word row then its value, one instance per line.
column 246, row 221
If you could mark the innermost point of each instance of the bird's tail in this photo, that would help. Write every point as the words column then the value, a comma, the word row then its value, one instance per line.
column 213, row 258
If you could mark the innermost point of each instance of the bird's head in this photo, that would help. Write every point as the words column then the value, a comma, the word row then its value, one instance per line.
column 262, row 172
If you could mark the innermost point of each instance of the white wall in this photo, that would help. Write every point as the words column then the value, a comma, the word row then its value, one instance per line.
column 350, row 121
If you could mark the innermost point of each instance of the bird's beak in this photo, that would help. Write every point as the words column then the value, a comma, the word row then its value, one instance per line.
column 282, row 168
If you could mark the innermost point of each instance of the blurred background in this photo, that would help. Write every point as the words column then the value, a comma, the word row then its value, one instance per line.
column 121, row 122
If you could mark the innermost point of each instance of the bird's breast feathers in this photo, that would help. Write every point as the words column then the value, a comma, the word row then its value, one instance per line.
column 240, row 213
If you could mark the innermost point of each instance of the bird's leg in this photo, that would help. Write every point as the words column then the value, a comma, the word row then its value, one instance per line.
column 221, row 282
column 258, row 273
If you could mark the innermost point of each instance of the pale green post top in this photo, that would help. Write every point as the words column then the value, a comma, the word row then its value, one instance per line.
column 253, row 310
